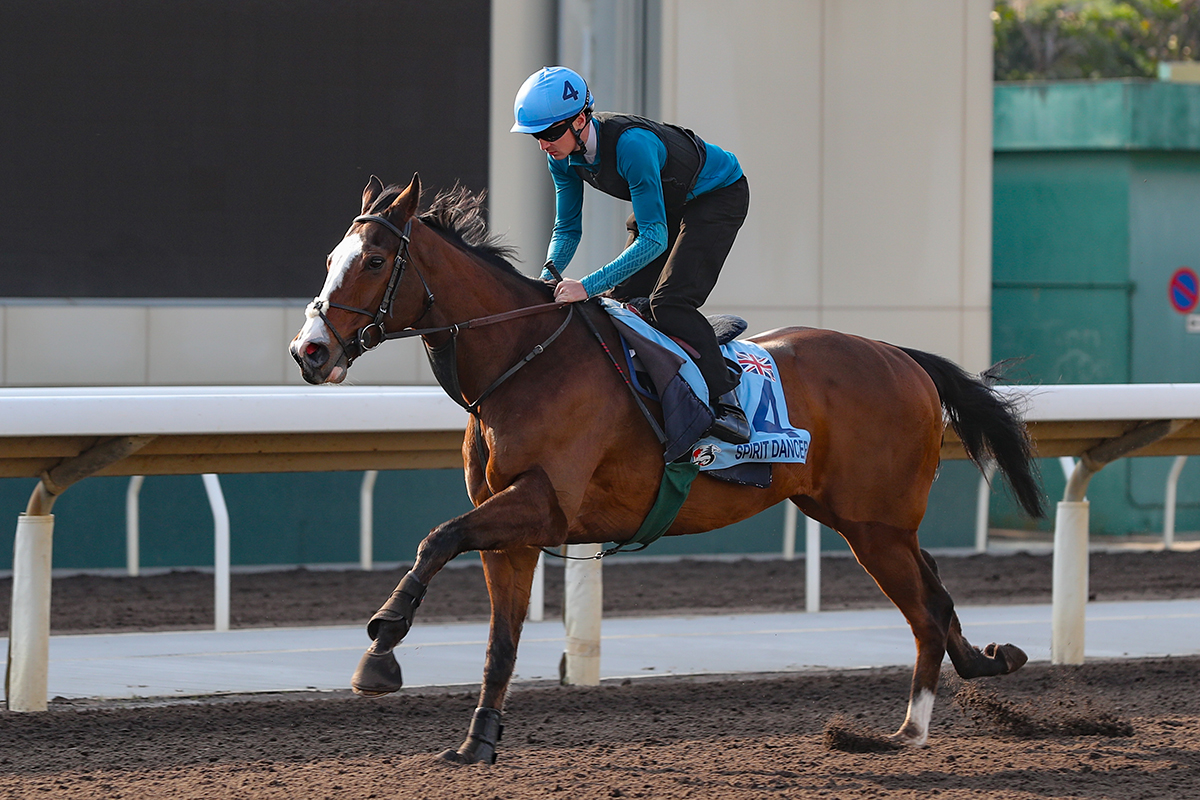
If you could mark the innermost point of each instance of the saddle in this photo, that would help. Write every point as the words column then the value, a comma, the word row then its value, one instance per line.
column 727, row 327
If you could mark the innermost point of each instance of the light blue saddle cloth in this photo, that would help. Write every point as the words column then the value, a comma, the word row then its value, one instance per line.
column 680, row 388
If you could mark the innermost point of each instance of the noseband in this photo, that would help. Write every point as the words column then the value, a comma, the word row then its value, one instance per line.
column 371, row 335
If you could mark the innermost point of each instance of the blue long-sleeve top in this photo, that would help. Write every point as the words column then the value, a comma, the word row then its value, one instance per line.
column 640, row 159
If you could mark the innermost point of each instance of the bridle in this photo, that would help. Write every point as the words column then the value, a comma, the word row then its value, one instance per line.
column 371, row 335
column 442, row 358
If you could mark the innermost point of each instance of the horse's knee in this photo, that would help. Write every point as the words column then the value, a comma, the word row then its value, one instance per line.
column 438, row 547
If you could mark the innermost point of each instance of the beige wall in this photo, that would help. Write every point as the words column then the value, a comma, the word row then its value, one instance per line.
column 121, row 343
column 864, row 127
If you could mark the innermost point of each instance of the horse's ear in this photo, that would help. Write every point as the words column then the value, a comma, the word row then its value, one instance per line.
column 406, row 205
column 374, row 187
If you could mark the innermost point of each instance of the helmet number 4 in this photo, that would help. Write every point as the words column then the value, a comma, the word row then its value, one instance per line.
column 569, row 91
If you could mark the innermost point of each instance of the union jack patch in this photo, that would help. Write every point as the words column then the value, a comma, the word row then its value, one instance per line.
column 760, row 366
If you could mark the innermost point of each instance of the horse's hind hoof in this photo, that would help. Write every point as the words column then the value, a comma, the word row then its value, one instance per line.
column 377, row 674
column 1010, row 655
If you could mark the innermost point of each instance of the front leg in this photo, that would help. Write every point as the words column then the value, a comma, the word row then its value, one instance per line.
column 524, row 515
column 509, row 576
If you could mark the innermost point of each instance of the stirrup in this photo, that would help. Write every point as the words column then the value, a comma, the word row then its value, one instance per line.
column 730, row 424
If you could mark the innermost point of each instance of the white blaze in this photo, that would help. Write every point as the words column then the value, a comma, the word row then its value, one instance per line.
column 340, row 261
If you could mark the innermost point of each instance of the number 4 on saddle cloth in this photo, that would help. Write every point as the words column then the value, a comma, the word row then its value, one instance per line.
column 663, row 371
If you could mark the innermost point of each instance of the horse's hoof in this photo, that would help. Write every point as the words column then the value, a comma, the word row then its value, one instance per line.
column 471, row 752
column 909, row 735
column 1010, row 655
column 480, row 745
column 377, row 674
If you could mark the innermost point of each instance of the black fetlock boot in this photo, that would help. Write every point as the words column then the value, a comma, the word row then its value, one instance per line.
column 480, row 745
column 378, row 671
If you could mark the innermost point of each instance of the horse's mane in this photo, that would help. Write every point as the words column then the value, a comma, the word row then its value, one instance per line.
column 458, row 213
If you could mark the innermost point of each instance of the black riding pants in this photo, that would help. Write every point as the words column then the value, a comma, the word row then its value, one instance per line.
column 680, row 280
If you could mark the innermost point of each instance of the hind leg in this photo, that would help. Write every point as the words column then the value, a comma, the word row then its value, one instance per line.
column 969, row 661
column 892, row 557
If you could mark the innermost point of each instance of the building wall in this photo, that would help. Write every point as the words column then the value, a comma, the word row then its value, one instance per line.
column 1096, row 186
column 864, row 127
column 867, row 150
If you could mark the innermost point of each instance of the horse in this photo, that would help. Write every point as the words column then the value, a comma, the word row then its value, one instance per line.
column 557, row 451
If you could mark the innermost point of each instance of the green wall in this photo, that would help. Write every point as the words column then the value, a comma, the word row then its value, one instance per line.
column 312, row 518
column 297, row 518
column 1095, row 205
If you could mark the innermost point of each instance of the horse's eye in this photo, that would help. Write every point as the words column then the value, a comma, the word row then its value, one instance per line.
column 375, row 262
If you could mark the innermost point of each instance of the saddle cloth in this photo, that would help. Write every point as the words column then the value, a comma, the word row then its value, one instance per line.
column 680, row 388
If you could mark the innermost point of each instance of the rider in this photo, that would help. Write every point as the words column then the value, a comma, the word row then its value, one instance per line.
column 689, row 200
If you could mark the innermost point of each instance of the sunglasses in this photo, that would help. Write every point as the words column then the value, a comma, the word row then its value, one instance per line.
column 554, row 132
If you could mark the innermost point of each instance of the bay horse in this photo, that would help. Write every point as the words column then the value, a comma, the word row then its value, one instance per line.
column 557, row 451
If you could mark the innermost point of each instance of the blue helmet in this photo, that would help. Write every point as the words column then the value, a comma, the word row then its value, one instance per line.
column 549, row 95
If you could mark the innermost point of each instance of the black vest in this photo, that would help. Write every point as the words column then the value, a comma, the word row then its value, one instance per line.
column 685, row 158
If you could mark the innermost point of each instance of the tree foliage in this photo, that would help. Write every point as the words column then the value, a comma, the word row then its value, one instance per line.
column 1065, row 39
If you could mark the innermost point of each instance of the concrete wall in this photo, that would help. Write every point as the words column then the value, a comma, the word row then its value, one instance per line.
column 172, row 343
column 864, row 127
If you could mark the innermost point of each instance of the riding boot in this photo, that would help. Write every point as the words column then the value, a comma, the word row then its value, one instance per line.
column 730, row 424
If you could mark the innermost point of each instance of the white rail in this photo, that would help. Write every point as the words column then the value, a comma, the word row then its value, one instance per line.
column 203, row 426
column 296, row 415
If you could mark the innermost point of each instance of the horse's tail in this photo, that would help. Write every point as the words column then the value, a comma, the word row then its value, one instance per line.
column 989, row 426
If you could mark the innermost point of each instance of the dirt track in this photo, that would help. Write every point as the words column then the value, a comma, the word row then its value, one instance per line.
column 1111, row 730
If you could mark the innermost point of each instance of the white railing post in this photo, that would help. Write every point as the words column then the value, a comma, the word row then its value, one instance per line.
column 29, row 632
column 1069, row 592
column 582, row 610
column 216, row 500
column 133, row 556
column 982, row 506
column 1068, row 466
column 366, row 521
column 1069, row 569
column 789, row 530
column 812, row 565
column 1169, row 502
column 537, row 592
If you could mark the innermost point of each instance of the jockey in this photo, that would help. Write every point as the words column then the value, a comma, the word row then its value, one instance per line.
column 689, row 200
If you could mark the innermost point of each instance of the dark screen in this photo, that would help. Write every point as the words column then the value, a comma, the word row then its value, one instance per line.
column 153, row 148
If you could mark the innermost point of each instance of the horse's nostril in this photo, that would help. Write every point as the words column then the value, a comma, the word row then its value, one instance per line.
column 316, row 354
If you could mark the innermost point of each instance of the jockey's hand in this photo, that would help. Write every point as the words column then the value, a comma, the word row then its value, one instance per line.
column 569, row 291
